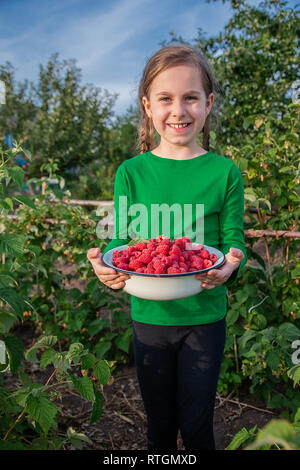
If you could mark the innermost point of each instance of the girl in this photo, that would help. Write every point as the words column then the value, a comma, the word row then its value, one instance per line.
column 178, row 344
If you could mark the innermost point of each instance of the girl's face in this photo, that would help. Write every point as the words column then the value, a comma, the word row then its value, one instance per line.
column 176, row 96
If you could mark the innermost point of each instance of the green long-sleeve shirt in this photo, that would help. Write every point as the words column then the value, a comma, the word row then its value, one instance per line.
column 208, row 185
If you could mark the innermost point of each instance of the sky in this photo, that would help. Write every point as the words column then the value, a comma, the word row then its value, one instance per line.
column 110, row 40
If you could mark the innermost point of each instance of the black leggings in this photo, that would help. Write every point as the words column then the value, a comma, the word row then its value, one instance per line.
column 177, row 370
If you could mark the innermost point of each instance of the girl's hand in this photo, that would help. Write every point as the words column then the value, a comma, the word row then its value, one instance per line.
column 108, row 276
column 217, row 277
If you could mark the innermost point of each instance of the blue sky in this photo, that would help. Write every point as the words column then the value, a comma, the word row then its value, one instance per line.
column 110, row 40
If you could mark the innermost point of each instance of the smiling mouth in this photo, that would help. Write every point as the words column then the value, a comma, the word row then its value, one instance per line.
column 180, row 126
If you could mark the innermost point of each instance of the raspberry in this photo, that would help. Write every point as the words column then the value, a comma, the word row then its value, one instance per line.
column 158, row 264
column 163, row 255
column 145, row 257
column 140, row 246
column 173, row 270
column 174, row 258
column 124, row 266
column 204, row 254
column 134, row 264
column 149, row 270
column 164, row 248
column 151, row 246
column 140, row 270
column 198, row 264
column 184, row 266
column 175, row 250
column 207, row 263
column 166, row 260
column 213, row 258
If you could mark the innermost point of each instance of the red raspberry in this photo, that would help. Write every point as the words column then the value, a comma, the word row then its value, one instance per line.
column 207, row 263
column 140, row 246
column 197, row 264
column 151, row 246
column 173, row 270
column 179, row 242
column 131, row 249
column 213, row 258
column 124, row 266
column 175, row 250
column 134, row 264
column 158, row 264
column 163, row 248
column 174, row 258
column 141, row 270
column 204, row 254
column 149, row 270
column 166, row 260
column 159, row 238
column 184, row 266
column 145, row 257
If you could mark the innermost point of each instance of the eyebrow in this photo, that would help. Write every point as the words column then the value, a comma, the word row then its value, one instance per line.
column 187, row 93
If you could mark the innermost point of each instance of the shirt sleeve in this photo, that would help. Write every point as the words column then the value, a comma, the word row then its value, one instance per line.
column 232, row 220
column 121, row 205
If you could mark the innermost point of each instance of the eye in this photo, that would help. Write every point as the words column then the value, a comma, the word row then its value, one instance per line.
column 191, row 97
column 164, row 98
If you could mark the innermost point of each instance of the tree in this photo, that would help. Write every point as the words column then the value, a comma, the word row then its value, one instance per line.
column 60, row 119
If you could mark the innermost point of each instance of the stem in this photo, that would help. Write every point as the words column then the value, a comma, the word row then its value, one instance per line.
column 51, row 376
column 13, row 425
column 266, row 246
column 236, row 355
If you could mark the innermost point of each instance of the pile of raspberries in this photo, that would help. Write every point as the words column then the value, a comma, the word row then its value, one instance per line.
column 163, row 256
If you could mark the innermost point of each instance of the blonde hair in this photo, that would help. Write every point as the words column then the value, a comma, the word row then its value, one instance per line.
column 164, row 58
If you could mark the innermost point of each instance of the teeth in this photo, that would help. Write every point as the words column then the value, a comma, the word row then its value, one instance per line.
column 178, row 126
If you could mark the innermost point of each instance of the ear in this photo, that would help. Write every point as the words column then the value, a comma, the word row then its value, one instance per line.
column 209, row 103
column 147, row 107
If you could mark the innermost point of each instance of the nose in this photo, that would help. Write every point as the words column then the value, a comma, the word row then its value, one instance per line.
column 178, row 109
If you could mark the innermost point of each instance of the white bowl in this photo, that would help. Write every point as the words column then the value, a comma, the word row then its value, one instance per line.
column 162, row 286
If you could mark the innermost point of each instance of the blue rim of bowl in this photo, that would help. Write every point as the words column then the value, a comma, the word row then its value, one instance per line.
column 217, row 264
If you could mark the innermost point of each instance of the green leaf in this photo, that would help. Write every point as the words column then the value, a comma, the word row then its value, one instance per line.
column 260, row 321
column 75, row 352
column 272, row 359
column 88, row 361
column 123, row 341
column 7, row 319
column 41, row 409
column 77, row 438
column 26, row 201
column 289, row 331
column 15, row 350
column 242, row 164
column 11, row 445
column 97, row 408
column 242, row 436
column 294, row 374
column 14, row 300
column 84, row 386
column 43, row 342
column 276, row 431
column 12, row 244
column 102, row 372
column 47, row 357
column 17, row 174
column 102, row 347
column 232, row 316
column 7, row 281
